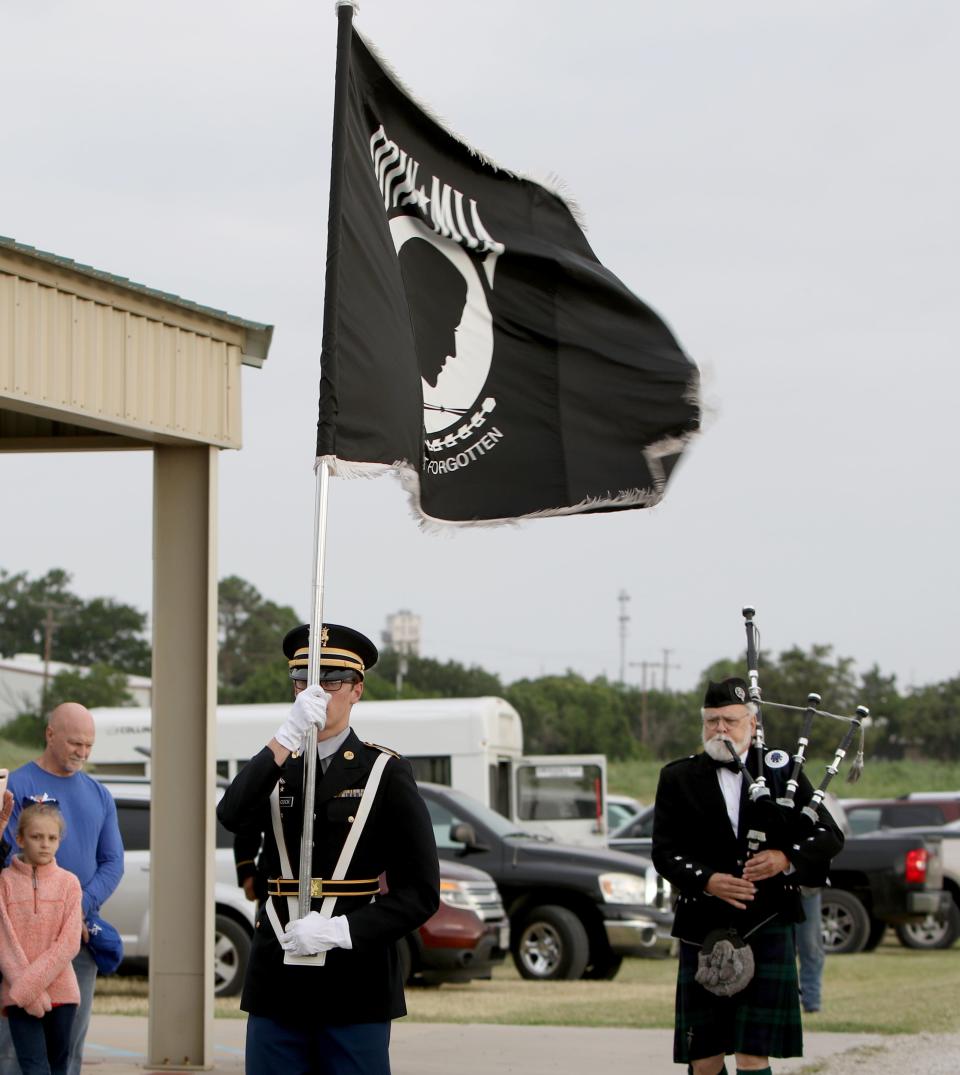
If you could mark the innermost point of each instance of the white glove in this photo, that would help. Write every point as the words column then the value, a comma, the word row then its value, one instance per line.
column 309, row 707
column 313, row 934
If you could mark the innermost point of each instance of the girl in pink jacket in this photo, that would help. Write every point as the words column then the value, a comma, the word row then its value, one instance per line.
column 40, row 922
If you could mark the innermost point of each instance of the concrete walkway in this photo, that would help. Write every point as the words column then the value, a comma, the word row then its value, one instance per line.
column 117, row 1044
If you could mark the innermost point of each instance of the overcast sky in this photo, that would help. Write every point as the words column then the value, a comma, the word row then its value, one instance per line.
column 779, row 181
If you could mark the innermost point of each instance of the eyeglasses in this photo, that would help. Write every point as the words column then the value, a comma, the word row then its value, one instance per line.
column 331, row 686
column 730, row 722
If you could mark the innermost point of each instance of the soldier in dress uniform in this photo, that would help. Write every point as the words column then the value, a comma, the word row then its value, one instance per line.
column 331, row 1018
column 737, row 866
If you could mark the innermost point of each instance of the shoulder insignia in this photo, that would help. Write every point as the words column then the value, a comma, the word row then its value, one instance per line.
column 383, row 750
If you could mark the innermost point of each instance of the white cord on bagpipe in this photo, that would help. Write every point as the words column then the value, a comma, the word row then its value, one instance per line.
column 819, row 712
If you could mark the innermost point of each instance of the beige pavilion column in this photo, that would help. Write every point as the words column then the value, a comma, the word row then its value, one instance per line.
column 180, row 1035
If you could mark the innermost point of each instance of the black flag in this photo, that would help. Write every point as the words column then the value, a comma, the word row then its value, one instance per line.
column 481, row 348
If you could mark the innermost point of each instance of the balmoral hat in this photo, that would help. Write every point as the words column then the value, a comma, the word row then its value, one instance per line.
column 731, row 691
column 342, row 649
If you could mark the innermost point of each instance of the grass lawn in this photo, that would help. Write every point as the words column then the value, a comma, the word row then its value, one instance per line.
column 881, row 779
column 13, row 755
column 889, row 991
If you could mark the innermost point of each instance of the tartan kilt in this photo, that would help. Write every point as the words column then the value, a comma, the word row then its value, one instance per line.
column 761, row 1020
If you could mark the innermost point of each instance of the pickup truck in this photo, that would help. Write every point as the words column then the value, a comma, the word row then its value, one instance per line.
column 575, row 912
column 937, row 930
column 877, row 880
column 881, row 879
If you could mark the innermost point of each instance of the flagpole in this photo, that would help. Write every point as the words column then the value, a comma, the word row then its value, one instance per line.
column 345, row 9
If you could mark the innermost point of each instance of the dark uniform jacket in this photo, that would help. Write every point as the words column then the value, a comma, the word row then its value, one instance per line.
column 362, row 984
column 246, row 849
column 693, row 839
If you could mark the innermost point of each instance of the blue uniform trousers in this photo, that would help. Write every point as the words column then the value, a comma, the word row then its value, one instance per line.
column 277, row 1048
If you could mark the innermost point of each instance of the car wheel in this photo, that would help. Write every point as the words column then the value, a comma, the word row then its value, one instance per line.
column 877, row 931
column 844, row 922
column 935, row 931
column 550, row 944
column 604, row 968
column 231, row 950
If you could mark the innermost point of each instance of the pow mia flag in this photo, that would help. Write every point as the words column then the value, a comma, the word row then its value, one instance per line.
column 481, row 349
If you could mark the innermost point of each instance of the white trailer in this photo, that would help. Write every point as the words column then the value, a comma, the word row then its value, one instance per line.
column 472, row 744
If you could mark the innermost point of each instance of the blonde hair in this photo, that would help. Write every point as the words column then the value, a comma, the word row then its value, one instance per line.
column 28, row 813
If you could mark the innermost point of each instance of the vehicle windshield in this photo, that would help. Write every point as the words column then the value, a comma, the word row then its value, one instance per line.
column 637, row 827
column 553, row 792
column 466, row 808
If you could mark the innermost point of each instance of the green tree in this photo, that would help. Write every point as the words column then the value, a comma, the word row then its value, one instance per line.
column 85, row 633
column 888, row 711
column 24, row 603
column 428, row 678
column 932, row 720
column 568, row 715
column 104, row 631
column 98, row 685
column 251, row 665
column 673, row 723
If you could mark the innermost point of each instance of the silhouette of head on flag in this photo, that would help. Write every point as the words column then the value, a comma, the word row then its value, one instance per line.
column 436, row 295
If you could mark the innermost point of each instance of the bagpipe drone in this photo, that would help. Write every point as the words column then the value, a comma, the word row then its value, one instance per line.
column 784, row 807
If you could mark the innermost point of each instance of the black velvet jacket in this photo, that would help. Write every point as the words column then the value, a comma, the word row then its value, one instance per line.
column 693, row 839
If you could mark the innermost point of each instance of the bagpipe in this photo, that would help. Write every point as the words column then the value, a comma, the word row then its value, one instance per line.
column 757, row 789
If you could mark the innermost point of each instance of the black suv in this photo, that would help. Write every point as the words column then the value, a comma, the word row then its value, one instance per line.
column 575, row 912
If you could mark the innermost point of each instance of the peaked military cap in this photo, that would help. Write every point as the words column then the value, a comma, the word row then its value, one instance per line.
column 342, row 649
column 732, row 691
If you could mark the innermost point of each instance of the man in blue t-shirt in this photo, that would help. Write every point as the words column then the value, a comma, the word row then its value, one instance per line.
column 92, row 847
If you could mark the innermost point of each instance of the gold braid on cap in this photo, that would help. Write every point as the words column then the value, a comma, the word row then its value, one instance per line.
column 301, row 658
column 340, row 658
column 329, row 658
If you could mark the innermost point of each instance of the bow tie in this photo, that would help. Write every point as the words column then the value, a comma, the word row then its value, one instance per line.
column 731, row 765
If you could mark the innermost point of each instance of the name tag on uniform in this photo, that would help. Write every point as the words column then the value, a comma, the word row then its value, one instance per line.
column 349, row 793
column 286, row 800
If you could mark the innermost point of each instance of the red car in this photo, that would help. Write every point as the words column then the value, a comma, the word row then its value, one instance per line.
column 465, row 938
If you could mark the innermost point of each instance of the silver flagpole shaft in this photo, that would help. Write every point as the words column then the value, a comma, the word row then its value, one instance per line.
column 313, row 677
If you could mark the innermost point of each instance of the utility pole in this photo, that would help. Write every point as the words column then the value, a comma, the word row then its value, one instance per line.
column 644, row 667
column 49, row 626
column 667, row 665
column 623, row 597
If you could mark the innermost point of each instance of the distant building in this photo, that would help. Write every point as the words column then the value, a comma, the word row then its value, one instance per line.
column 21, row 683
column 402, row 634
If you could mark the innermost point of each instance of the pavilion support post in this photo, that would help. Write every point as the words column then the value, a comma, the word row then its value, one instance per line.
column 182, row 828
